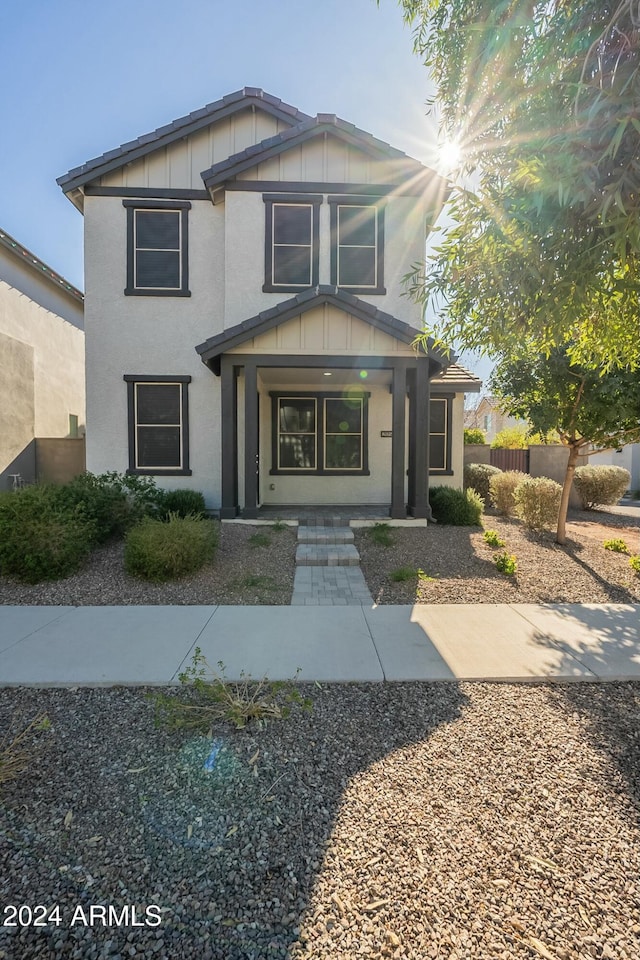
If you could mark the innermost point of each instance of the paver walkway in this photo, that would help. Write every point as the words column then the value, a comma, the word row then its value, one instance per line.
column 328, row 566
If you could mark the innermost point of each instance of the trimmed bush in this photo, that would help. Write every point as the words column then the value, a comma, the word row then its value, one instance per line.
column 501, row 489
column 158, row 551
column 477, row 477
column 600, row 485
column 183, row 502
column 461, row 508
column 41, row 538
column 538, row 502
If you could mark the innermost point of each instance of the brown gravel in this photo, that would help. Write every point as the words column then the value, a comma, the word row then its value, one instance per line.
column 400, row 821
column 456, row 557
column 461, row 563
column 240, row 573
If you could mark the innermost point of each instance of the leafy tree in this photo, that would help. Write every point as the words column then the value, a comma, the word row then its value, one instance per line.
column 474, row 435
column 543, row 97
column 584, row 406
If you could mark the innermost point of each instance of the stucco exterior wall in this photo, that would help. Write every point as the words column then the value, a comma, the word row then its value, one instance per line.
column 628, row 457
column 42, row 364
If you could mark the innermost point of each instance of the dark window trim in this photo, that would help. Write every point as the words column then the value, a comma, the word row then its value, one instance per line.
column 358, row 201
column 183, row 206
column 447, row 471
column 319, row 186
column 321, row 396
column 312, row 200
column 160, row 193
column 131, row 379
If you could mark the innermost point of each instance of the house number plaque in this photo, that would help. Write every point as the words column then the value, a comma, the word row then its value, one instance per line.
column 386, row 433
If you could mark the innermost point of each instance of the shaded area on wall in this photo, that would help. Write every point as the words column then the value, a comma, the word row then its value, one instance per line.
column 23, row 466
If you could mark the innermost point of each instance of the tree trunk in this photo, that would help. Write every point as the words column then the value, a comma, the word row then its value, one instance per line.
column 574, row 453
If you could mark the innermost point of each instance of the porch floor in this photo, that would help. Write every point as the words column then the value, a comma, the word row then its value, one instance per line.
column 321, row 514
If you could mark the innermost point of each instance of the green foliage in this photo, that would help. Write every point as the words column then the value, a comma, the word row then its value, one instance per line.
column 158, row 551
column 617, row 545
column 278, row 526
column 183, row 502
column 493, row 538
column 511, row 438
column 380, row 533
column 543, row 100
column 17, row 749
column 600, row 485
column 634, row 563
column 474, row 435
column 104, row 503
column 40, row 537
column 402, row 574
column 506, row 563
column 502, row 488
column 255, row 581
column 456, row 507
column 259, row 539
column 477, row 477
column 241, row 703
column 538, row 502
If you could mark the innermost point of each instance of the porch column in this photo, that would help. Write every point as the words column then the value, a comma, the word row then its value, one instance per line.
column 419, row 441
column 399, row 400
column 250, row 510
column 229, row 428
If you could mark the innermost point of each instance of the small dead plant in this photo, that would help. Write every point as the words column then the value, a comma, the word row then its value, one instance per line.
column 16, row 752
column 240, row 703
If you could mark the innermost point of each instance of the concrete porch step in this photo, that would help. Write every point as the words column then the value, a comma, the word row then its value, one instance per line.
column 327, row 555
column 325, row 534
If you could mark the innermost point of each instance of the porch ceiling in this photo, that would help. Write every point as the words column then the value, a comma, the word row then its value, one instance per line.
column 278, row 376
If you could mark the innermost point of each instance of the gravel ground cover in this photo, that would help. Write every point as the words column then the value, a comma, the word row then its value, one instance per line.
column 409, row 821
column 458, row 566
column 241, row 573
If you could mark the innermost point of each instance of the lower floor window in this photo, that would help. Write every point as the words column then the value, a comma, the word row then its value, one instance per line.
column 320, row 433
column 158, row 424
column 440, row 434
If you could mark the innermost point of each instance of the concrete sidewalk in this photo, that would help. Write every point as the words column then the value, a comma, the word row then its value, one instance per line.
column 70, row 646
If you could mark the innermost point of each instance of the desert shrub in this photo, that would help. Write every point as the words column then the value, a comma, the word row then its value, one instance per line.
column 474, row 435
column 40, row 537
column 506, row 563
column 501, row 490
column 477, row 477
column 157, row 550
column 537, row 502
column 183, row 502
column 462, row 508
column 634, row 563
column 600, row 485
column 104, row 503
column 380, row 533
column 616, row 545
column 493, row 539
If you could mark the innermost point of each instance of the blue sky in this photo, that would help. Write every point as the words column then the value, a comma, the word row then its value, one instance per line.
column 82, row 77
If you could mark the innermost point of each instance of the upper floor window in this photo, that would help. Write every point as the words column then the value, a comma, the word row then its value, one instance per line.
column 291, row 242
column 157, row 248
column 357, row 244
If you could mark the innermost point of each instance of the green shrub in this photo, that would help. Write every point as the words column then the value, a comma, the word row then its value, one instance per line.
column 260, row 539
column 380, row 533
column 104, row 503
column 474, row 435
column 40, row 538
column 506, row 563
column 501, row 489
column 600, row 485
column 403, row 573
column 491, row 537
column 477, row 477
column 462, row 508
column 634, row 562
column 183, row 502
column 538, row 502
column 157, row 550
column 617, row 545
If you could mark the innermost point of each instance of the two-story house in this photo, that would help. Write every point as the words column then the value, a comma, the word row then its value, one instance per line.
column 247, row 332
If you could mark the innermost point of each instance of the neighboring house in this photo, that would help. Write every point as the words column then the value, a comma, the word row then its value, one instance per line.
column 627, row 457
column 489, row 417
column 247, row 329
column 41, row 359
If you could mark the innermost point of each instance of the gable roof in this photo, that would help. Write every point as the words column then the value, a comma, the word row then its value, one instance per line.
column 212, row 349
column 177, row 129
column 39, row 266
column 403, row 167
